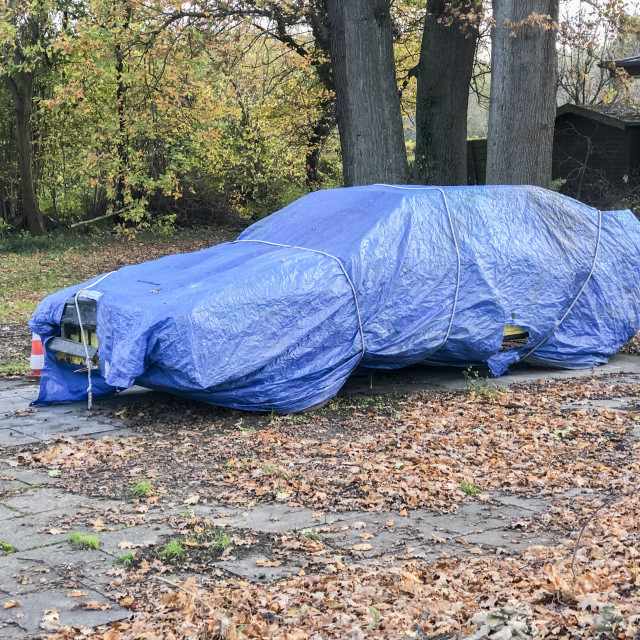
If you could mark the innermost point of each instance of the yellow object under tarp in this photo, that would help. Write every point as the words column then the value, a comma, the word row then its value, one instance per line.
column 512, row 330
column 91, row 338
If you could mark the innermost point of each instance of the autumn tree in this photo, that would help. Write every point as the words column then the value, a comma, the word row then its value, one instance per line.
column 588, row 34
column 24, row 30
column 523, row 92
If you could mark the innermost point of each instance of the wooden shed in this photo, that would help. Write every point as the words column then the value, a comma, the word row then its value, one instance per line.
column 596, row 150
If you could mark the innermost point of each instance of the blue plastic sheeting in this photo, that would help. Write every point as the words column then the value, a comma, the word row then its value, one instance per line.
column 369, row 277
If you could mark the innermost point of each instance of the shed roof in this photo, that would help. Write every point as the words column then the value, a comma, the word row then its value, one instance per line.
column 631, row 65
column 621, row 116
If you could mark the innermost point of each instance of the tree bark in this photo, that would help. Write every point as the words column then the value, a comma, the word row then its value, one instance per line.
column 444, row 75
column 22, row 96
column 522, row 105
column 121, row 106
column 320, row 131
column 367, row 98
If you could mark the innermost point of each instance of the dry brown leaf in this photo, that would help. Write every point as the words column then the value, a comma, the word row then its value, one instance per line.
column 94, row 605
column 98, row 525
column 50, row 620
column 263, row 562
column 77, row 594
column 365, row 546
column 11, row 604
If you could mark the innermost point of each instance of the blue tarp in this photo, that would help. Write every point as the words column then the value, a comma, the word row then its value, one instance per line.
column 369, row 277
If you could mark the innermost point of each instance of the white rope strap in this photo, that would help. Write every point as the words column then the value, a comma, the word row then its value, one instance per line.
column 344, row 271
column 84, row 340
column 582, row 288
column 455, row 244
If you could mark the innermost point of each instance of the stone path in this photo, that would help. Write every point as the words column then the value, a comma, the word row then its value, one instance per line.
column 43, row 572
column 56, row 584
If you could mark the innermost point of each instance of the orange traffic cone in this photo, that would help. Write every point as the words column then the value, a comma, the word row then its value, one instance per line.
column 37, row 358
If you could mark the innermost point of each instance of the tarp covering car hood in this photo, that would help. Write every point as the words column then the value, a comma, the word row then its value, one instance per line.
column 376, row 276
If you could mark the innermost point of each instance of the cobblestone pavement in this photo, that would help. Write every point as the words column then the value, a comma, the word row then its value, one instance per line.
column 45, row 581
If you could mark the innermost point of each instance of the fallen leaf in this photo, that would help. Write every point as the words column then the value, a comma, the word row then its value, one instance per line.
column 589, row 601
column 263, row 562
column 77, row 594
column 98, row 525
column 50, row 620
column 11, row 604
column 365, row 546
column 94, row 605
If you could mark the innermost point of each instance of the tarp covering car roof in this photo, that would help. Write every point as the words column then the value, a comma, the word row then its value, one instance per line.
column 377, row 276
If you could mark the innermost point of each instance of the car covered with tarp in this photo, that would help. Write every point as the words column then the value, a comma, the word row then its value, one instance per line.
column 379, row 277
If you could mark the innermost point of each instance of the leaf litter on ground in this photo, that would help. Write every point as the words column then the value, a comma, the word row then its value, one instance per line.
column 410, row 452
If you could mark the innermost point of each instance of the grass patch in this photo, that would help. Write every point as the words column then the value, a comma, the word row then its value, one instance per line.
column 14, row 369
column 33, row 267
column 7, row 548
column 469, row 488
column 221, row 540
column 479, row 385
column 142, row 488
column 199, row 547
column 84, row 540
column 126, row 559
column 173, row 550
column 312, row 534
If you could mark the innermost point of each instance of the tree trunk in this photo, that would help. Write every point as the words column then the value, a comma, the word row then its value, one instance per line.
column 444, row 75
column 22, row 103
column 523, row 93
column 121, row 106
column 367, row 98
column 319, row 133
